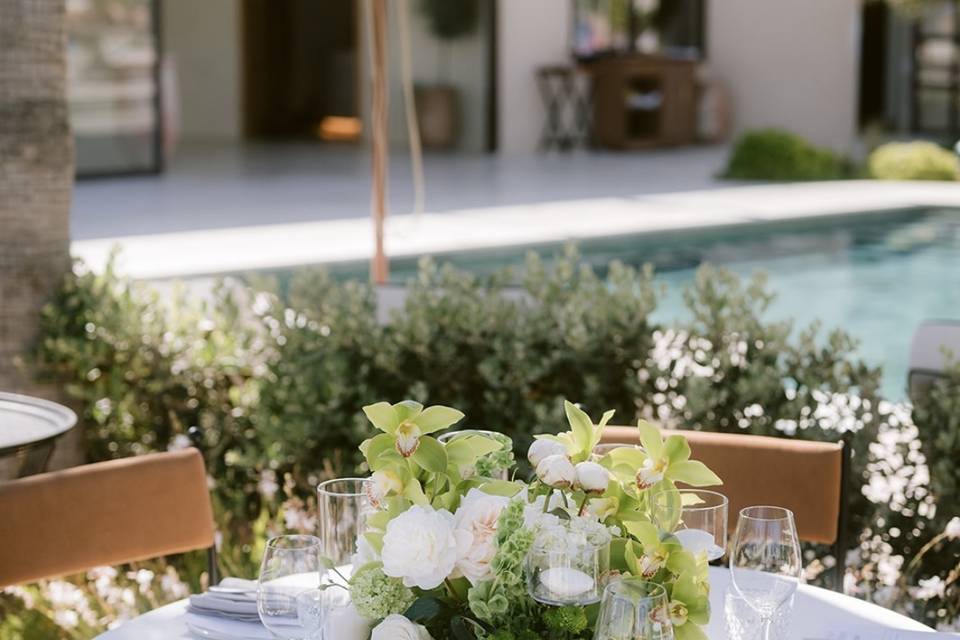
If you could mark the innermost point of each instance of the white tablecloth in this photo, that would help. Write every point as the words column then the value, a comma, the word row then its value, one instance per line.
column 818, row 615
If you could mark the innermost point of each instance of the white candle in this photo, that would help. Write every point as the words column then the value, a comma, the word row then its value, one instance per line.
column 566, row 582
column 696, row 540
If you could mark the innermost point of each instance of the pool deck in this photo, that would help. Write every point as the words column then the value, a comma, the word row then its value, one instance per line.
column 277, row 246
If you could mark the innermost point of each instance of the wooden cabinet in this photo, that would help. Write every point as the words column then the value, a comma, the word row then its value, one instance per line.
column 643, row 101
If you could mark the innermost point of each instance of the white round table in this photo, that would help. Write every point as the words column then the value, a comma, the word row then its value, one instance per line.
column 818, row 614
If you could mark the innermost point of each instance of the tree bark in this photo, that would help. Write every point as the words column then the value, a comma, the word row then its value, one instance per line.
column 36, row 175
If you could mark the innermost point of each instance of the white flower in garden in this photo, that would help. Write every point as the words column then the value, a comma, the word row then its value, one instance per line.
column 397, row 627
column 650, row 473
column 540, row 449
column 345, row 623
column 930, row 588
column 422, row 546
column 66, row 618
column 478, row 515
column 408, row 438
column 592, row 478
column 556, row 471
column 952, row 530
column 382, row 484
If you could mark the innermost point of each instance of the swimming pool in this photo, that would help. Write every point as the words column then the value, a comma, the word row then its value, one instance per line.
column 875, row 275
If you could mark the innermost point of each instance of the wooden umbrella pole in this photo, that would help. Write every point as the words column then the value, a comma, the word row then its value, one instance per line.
column 379, row 267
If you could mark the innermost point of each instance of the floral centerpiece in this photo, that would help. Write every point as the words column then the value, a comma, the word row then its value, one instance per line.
column 451, row 553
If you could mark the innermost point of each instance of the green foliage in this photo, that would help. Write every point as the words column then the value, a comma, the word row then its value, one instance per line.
column 565, row 621
column 277, row 377
column 450, row 20
column 775, row 154
column 913, row 161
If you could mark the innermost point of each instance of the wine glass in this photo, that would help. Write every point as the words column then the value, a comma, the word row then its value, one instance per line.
column 636, row 609
column 290, row 567
column 765, row 564
column 343, row 508
column 696, row 516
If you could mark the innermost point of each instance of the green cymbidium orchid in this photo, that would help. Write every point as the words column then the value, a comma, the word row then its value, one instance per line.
column 583, row 435
column 658, row 460
column 689, row 607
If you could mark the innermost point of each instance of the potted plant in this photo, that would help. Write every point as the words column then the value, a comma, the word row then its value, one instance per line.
column 438, row 105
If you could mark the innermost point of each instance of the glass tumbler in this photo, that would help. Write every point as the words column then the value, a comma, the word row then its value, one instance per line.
column 290, row 567
column 560, row 574
column 634, row 609
column 496, row 464
column 697, row 517
column 343, row 508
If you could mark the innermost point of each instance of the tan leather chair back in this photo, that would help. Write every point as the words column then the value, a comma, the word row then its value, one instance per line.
column 107, row 513
column 799, row 475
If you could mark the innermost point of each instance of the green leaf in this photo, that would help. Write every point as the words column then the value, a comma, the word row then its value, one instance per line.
column 431, row 455
column 580, row 425
column 437, row 418
column 423, row 608
column 646, row 532
column 465, row 450
column 383, row 416
column 693, row 473
column 414, row 492
column 650, row 439
column 501, row 488
column 407, row 409
column 689, row 631
column 676, row 449
column 374, row 447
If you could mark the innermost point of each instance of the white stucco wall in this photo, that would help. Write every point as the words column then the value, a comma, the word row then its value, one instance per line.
column 532, row 33
column 789, row 63
column 203, row 39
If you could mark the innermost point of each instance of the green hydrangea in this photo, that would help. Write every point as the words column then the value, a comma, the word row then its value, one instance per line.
column 376, row 595
column 490, row 465
column 566, row 620
column 503, row 601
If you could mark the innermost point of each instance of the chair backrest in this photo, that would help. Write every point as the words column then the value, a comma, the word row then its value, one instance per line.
column 106, row 513
column 803, row 476
column 927, row 357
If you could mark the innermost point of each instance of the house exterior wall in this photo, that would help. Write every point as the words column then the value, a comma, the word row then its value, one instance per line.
column 203, row 40
column 789, row 63
column 531, row 34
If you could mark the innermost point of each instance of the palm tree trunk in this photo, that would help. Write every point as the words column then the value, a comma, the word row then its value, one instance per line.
column 36, row 174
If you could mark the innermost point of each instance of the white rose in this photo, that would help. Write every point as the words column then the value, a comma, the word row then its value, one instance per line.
column 592, row 478
column 556, row 471
column 478, row 515
column 422, row 547
column 397, row 627
column 540, row 449
column 953, row 528
column 344, row 623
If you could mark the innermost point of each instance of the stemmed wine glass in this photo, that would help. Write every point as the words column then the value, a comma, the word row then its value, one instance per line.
column 765, row 564
column 290, row 567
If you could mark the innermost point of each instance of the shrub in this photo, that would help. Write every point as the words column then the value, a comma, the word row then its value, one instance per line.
column 277, row 378
column 912, row 161
column 775, row 154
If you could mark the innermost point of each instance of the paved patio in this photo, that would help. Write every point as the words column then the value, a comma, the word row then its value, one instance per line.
column 236, row 213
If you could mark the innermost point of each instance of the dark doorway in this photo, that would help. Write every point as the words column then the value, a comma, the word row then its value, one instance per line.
column 873, row 63
column 300, row 69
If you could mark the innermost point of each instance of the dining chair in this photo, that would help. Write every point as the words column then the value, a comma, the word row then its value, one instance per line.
column 809, row 478
column 105, row 513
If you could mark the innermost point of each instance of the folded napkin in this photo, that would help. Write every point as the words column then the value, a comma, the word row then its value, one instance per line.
column 227, row 611
column 213, row 628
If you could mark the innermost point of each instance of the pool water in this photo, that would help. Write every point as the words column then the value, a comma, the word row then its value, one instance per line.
column 875, row 275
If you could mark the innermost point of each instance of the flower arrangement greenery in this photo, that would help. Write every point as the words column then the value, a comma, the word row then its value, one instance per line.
column 445, row 555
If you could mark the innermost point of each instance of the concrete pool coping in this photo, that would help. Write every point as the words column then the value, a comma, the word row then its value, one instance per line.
column 281, row 246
